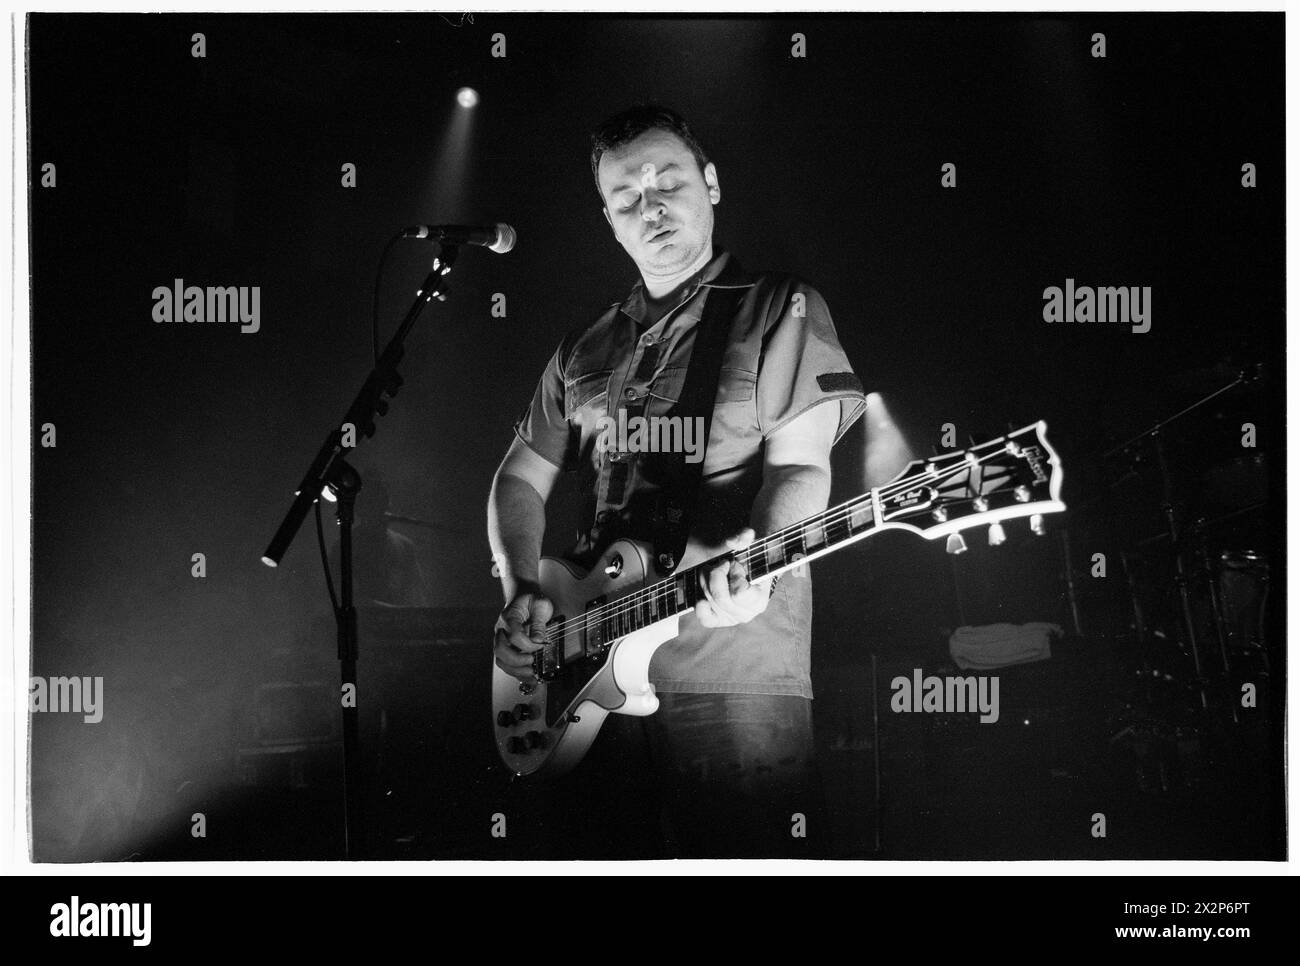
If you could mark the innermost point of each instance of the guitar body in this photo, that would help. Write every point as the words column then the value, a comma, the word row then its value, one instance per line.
column 547, row 731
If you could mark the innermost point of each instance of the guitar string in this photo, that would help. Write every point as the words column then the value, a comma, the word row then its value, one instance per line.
column 783, row 537
column 831, row 517
column 760, row 550
column 667, row 586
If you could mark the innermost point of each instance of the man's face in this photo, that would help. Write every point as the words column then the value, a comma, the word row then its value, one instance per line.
column 658, row 202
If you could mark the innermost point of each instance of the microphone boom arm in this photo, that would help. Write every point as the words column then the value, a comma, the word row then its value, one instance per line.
column 383, row 380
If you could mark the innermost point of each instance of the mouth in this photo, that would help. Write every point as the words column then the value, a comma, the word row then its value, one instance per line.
column 661, row 235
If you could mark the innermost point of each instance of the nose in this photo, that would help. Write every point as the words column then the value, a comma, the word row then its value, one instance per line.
column 652, row 207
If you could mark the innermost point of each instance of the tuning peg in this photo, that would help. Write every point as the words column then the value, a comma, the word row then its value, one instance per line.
column 1036, row 524
column 997, row 536
column 956, row 544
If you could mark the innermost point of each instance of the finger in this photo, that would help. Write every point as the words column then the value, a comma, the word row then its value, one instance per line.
column 744, row 601
column 707, row 615
column 539, row 615
column 752, row 601
column 522, row 641
column 516, row 611
column 516, row 636
column 510, row 656
column 737, row 606
column 717, row 588
column 541, row 609
column 737, row 579
column 522, row 672
column 741, row 540
column 510, row 662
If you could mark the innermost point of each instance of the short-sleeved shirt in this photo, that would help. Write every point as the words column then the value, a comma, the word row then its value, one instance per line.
column 782, row 359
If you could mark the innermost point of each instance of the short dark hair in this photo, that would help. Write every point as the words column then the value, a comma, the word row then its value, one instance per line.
column 630, row 123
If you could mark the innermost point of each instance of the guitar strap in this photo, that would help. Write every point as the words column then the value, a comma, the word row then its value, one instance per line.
column 679, row 498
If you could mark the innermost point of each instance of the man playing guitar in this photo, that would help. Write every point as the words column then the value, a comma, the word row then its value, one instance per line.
column 728, row 756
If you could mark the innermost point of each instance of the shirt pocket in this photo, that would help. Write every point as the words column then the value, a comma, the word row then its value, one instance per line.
column 734, row 385
column 587, row 390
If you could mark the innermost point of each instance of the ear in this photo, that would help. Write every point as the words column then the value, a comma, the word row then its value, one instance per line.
column 711, row 179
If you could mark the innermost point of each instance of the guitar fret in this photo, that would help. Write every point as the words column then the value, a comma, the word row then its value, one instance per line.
column 837, row 531
column 690, row 589
column 775, row 556
column 860, row 516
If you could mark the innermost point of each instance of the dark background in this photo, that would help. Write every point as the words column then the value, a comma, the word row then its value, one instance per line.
column 175, row 439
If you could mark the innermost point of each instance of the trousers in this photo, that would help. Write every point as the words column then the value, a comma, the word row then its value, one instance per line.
column 706, row 776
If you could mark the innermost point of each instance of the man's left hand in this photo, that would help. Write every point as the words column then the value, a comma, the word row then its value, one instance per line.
column 730, row 598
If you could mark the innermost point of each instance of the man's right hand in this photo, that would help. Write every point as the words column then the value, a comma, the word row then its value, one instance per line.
column 520, row 631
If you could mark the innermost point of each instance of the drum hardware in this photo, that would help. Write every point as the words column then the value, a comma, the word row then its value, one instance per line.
column 1170, row 513
column 1216, row 612
column 1071, row 588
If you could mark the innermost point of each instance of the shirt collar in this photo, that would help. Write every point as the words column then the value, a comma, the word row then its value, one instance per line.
column 723, row 271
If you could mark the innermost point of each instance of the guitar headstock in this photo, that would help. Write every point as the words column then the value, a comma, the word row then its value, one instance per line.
column 1016, row 475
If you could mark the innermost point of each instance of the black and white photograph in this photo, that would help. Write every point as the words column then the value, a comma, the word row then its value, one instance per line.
column 591, row 437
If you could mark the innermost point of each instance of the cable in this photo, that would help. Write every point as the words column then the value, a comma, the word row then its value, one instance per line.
column 324, row 559
column 374, row 309
column 374, row 348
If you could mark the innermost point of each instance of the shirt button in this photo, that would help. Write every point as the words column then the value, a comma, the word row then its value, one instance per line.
column 630, row 393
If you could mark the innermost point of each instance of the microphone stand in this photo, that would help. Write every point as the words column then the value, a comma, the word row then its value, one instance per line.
column 329, row 470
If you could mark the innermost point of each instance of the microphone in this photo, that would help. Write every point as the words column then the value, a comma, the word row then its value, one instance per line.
column 499, row 238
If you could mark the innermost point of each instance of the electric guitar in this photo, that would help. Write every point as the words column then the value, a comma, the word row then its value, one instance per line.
column 610, row 620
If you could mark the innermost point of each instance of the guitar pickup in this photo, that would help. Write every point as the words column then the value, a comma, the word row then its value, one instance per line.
column 550, row 659
column 595, row 639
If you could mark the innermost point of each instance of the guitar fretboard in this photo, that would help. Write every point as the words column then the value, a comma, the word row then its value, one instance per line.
column 945, row 494
column 767, row 557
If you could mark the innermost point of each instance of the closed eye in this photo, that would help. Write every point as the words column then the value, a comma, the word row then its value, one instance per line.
column 633, row 203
